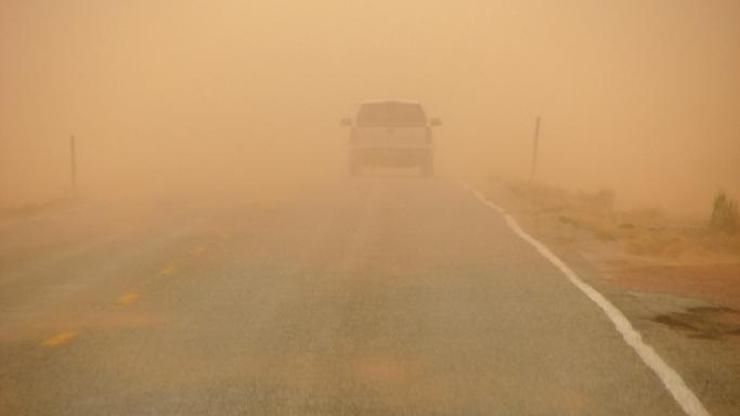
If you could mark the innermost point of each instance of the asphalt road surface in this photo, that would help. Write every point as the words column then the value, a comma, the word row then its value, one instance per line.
column 380, row 296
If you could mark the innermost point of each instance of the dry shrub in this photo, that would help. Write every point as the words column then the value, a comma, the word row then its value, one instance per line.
column 643, row 232
column 724, row 216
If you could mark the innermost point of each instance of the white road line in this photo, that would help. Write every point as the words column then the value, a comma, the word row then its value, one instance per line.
column 683, row 395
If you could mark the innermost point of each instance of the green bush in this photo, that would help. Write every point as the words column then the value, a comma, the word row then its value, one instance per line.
column 724, row 214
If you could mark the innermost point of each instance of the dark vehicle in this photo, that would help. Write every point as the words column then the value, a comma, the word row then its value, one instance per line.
column 391, row 133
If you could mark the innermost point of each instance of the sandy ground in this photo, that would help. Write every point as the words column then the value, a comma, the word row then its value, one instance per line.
column 661, row 257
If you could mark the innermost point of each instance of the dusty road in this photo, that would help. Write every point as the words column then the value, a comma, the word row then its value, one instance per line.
column 383, row 296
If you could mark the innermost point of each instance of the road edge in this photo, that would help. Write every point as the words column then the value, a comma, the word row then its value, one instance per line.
column 673, row 382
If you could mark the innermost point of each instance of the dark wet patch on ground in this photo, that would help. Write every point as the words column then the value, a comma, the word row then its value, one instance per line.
column 706, row 322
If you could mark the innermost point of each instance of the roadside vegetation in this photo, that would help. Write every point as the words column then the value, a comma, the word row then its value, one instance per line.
column 724, row 214
column 580, row 216
column 643, row 250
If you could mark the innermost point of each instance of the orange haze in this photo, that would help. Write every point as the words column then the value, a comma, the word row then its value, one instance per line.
column 244, row 97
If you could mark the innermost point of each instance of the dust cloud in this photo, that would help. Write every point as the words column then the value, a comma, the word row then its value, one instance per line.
column 243, row 98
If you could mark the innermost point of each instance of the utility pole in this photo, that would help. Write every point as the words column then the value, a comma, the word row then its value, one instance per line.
column 73, row 163
column 535, row 148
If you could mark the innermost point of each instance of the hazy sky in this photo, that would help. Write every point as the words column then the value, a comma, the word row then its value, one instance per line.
column 642, row 96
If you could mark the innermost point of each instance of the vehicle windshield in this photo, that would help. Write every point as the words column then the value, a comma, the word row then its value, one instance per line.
column 391, row 113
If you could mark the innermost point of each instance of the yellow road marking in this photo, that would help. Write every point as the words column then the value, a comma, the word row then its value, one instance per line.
column 168, row 270
column 128, row 299
column 60, row 339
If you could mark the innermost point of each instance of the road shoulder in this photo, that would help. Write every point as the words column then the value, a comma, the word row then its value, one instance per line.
column 692, row 325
